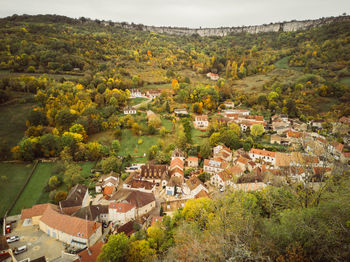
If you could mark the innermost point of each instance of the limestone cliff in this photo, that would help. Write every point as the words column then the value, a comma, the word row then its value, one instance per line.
column 223, row 31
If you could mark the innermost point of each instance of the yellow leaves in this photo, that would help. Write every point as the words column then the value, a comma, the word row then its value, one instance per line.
column 23, row 29
column 77, row 137
column 79, row 87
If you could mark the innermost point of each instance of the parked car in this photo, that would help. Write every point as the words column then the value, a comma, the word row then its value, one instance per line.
column 20, row 250
column 12, row 239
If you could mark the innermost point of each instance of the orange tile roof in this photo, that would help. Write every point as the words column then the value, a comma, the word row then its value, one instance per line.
column 262, row 152
column 68, row 224
column 37, row 210
column 156, row 219
column 338, row 146
column 243, row 160
column 193, row 182
column 91, row 254
column 201, row 193
column 108, row 190
column 294, row 134
column 121, row 207
column 177, row 161
column 225, row 176
column 192, row 158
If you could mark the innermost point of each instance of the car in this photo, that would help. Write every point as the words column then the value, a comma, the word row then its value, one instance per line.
column 12, row 239
column 20, row 250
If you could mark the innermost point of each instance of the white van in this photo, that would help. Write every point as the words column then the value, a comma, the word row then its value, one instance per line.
column 20, row 250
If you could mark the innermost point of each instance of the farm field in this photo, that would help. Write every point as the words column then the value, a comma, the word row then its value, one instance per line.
column 13, row 118
column 33, row 193
column 129, row 145
column 16, row 175
column 138, row 100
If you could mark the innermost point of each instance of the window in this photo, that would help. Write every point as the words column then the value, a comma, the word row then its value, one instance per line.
column 168, row 206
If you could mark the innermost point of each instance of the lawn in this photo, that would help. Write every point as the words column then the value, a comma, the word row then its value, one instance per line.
column 198, row 136
column 130, row 146
column 161, row 86
column 168, row 124
column 283, row 63
column 105, row 137
column 138, row 100
column 345, row 80
column 33, row 193
column 13, row 118
column 16, row 175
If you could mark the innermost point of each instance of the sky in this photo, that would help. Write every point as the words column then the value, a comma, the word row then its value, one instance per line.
column 184, row 13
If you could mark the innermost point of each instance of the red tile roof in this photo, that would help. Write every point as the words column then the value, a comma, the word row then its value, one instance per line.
column 37, row 210
column 201, row 193
column 156, row 219
column 121, row 207
column 262, row 152
column 192, row 158
column 108, row 190
column 69, row 225
column 91, row 254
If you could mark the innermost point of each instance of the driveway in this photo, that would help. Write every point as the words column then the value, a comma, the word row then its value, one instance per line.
column 37, row 242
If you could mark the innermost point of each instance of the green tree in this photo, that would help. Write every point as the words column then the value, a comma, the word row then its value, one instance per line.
column 205, row 149
column 116, row 249
column 115, row 146
column 257, row 130
column 54, row 182
column 110, row 164
column 140, row 251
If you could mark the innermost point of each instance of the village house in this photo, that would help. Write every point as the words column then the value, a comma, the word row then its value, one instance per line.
column 262, row 155
column 345, row 120
column 126, row 205
column 176, row 163
column 129, row 110
column 238, row 111
column 104, row 181
column 140, row 185
column 294, row 136
column 153, row 93
column 192, row 161
column 90, row 254
column 98, row 213
column 221, row 180
column 201, row 121
column 155, row 173
column 242, row 162
column 31, row 216
column 194, row 186
column 169, row 207
column 214, row 165
column 73, row 231
column 277, row 139
column 229, row 104
column 180, row 112
column 177, row 153
column 174, row 185
column 223, row 152
column 77, row 197
column 317, row 123
column 213, row 76
column 135, row 93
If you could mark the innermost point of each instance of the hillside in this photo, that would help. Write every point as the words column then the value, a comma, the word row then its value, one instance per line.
column 268, row 104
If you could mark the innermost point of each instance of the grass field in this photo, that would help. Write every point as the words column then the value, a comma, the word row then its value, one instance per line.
column 105, row 137
column 138, row 100
column 167, row 124
column 345, row 80
column 162, row 86
column 129, row 144
column 198, row 136
column 16, row 175
column 283, row 63
column 13, row 118
column 33, row 193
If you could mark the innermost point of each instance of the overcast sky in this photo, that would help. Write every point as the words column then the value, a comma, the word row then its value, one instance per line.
column 189, row 13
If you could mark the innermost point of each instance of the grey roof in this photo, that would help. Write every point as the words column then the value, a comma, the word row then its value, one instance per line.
column 75, row 196
column 137, row 198
column 91, row 212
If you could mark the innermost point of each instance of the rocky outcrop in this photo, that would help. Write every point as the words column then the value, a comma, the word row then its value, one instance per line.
column 223, row 31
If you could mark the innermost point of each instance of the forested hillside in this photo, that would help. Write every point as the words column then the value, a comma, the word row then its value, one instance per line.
column 65, row 92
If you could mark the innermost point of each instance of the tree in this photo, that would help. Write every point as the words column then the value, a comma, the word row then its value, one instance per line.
column 116, row 249
column 115, row 146
column 59, row 196
column 72, row 174
column 54, row 182
column 257, row 130
column 110, row 164
column 140, row 251
column 37, row 118
column 205, row 149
